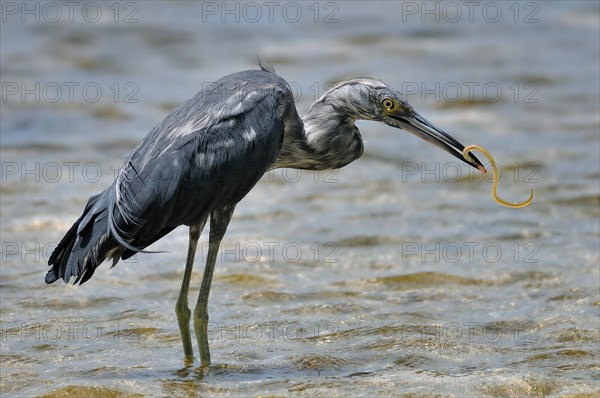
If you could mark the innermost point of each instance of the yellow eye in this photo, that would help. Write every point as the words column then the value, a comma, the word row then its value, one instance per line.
column 388, row 104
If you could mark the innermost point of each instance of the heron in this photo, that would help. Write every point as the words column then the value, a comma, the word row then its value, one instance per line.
column 207, row 154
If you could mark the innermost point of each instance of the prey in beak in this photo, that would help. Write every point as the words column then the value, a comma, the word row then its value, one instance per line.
column 399, row 114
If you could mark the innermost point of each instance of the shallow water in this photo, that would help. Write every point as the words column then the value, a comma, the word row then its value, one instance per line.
column 397, row 275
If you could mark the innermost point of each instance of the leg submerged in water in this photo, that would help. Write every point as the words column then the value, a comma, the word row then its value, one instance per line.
column 181, row 308
column 219, row 220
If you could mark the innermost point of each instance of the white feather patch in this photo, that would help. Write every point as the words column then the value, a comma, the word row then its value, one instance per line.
column 249, row 135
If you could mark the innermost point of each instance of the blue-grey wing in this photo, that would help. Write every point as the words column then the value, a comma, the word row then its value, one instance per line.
column 208, row 153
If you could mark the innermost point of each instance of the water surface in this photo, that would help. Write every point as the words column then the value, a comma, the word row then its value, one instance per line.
column 397, row 275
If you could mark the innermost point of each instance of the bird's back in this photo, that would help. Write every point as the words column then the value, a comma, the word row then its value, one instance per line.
column 208, row 153
column 211, row 150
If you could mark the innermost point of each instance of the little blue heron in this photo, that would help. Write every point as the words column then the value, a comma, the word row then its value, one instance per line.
column 205, row 156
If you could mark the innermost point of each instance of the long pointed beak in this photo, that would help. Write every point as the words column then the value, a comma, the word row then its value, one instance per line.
column 419, row 126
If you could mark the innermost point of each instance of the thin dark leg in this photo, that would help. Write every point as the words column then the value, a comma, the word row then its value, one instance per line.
column 181, row 307
column 219, row 220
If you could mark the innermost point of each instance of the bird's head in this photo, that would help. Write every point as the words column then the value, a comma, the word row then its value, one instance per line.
column 372, row 99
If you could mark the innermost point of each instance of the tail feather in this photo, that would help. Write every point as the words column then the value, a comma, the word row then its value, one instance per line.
column 104, row 230
column 142, row 244
column 85, row 245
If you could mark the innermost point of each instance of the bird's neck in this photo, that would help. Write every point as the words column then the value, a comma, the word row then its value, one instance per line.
column 327, row 139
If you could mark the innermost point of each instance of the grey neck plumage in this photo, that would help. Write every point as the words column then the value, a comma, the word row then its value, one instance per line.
column 327, row 139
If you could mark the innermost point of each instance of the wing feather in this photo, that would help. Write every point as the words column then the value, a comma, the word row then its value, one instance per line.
column 208, row 153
